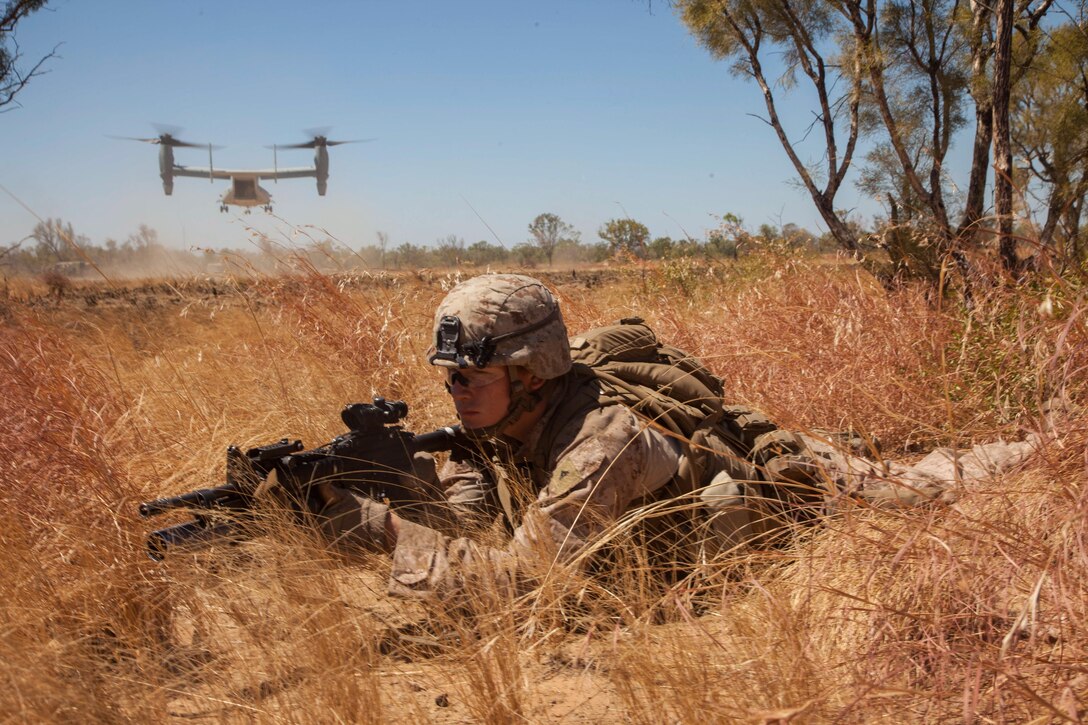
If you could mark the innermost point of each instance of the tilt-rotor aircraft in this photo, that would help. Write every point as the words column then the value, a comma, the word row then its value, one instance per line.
column 245, row 190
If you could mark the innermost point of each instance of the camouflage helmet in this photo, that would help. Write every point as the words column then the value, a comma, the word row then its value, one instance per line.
column 501, row 319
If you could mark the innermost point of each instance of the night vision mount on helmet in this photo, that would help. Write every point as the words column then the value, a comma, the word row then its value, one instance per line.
column 449, row 348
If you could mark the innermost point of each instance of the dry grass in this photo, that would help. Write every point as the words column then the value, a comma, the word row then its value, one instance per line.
column 970, row 613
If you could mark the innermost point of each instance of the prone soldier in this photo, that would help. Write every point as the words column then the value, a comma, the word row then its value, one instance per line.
column 561, row 458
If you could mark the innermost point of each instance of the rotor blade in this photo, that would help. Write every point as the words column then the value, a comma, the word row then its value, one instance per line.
column 306, row 145
column 167, row 140
column 133, row 138
column 319, row 140
column 188, row 145
column 167, row 129
column 354, row 140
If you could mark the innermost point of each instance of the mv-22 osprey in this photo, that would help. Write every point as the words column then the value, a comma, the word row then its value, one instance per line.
column 245, row 190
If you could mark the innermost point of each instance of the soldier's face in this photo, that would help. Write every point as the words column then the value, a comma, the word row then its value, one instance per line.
column 480, row 395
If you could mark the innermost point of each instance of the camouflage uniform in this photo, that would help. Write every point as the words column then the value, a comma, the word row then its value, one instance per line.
column 608, row 462
column 586, row 464
column 604, row 462
column 813, row 475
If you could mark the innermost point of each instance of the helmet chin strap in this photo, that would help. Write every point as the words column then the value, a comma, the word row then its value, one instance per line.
column 522, row 400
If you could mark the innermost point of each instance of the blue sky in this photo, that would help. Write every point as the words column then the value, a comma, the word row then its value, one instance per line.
column 483, row 114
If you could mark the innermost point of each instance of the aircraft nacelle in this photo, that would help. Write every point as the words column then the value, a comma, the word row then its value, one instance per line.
column 321, row 167
column 166, row 168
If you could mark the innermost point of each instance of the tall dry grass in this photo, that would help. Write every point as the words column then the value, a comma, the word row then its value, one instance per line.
column 970, row 613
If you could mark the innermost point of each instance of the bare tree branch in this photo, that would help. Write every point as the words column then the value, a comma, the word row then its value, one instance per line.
column 12, row 79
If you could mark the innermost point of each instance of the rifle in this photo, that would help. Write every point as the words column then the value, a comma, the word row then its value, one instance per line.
column 369, row 459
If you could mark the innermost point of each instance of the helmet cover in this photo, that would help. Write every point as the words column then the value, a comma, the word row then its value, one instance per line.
column 501, row 319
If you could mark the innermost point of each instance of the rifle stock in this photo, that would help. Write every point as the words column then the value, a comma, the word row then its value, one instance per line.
column 369, row 459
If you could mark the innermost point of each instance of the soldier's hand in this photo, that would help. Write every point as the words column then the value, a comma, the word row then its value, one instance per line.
column 270, row 493
column 348, row 520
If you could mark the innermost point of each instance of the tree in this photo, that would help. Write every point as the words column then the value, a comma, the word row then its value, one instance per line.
column 572, row 252
column 797, row 236
column 527, row 254
column 383, row 244
column 936, row 58
column 320, row 253
column 144, row 239
column 625, row 235
column 12, row 78
column 929, row 59
column 410, row 255
column 549, row 231
column 11, row 249
column 914, row 68
column 661, row 248
column 907, row 72
column 747, row 31
column 726, row 240
column 1050, row 133
column 56, row 241
column 768, row 232
column 483, row 252
column 450, row 251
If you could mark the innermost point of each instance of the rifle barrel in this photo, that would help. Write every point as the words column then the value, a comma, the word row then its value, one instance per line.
column 202, row 499
column 192, row 535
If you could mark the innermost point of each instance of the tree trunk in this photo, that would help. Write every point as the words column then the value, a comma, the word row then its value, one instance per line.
column 981, row 92
column 980, row 167
column 1054, row 211
column 1002, row 143
column 1072, row 228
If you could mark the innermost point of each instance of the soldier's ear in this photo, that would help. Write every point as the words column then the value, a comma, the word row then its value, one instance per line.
column 531, row 382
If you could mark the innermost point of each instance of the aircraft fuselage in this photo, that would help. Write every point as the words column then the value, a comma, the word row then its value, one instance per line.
column 245, row 191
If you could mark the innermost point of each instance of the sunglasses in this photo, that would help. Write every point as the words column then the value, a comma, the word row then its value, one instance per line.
column 474, row 378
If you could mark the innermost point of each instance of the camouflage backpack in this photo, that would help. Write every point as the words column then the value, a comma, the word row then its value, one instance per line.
column 674, row 391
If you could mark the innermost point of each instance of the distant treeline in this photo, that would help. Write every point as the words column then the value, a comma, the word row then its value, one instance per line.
column 54, row 247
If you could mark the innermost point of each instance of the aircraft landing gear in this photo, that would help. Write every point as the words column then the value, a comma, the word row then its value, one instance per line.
column 268, row 208
column 223, row 208
column 248, row 210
